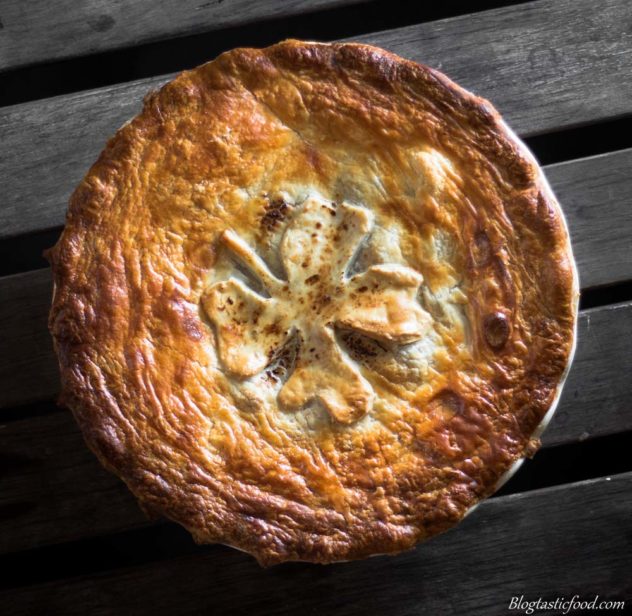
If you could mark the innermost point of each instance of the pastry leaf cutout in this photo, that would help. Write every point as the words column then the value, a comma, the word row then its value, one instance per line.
column 316, row 249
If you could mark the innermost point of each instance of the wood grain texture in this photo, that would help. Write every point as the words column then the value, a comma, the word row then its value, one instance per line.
column 546, row 65
column 596, row 397
column 574, row 539
column 43, row 31
column 596, row 196
column 561, row 65
column 54, row 490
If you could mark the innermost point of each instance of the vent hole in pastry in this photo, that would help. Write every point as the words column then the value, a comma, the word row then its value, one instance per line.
column 358, row 263
column 244, row 273
column 283, row 361
column 277, row 212
column 407, row 365
column 359, row 347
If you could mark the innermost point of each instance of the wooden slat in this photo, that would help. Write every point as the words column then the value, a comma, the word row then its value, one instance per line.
column 559, row 542
column 596, row 193
column 54, row 490
column 547, row 65
column 46, row 31
column 28, row 368
column 596, row 397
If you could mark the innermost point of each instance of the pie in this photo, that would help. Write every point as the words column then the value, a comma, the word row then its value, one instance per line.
column 314, row 302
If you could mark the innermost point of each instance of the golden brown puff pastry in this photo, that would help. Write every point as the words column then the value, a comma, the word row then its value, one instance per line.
column 313, row 302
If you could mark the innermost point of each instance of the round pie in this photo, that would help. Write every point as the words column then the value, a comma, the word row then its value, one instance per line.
column 314, row 302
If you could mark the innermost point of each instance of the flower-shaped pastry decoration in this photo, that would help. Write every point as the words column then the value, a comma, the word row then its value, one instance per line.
column 319, row 295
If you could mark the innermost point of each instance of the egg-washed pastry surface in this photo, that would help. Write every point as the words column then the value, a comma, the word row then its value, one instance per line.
column 313, row 302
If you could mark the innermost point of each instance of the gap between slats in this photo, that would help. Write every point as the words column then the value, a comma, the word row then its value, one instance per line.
column 543, row 64
column 542, row 543
column 595, row 193
column 142, row 544
column 601, row 391
column 90, row 45
column 54, row 489
column 25, row 252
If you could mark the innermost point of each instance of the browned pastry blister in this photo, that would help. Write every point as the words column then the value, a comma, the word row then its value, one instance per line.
column 313, row 302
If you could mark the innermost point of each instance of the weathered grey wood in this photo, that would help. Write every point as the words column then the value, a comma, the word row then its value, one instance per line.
column 546, row 65
column 559, row 542
column 42, row 31
column 54, row 490
column 596, row 397
column 596, row 195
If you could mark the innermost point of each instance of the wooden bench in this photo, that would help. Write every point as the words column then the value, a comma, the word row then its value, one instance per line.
column 550, row 66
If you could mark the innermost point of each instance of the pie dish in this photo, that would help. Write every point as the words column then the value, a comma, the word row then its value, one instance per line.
column 314, row 302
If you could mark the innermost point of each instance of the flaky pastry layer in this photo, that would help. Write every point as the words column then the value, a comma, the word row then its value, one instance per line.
column 313, row 302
